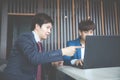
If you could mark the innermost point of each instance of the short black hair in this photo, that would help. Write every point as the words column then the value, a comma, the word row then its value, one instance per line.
column 40, row 19
column 86, row 25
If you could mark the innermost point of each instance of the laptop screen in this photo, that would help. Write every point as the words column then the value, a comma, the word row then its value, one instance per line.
column 102, row 51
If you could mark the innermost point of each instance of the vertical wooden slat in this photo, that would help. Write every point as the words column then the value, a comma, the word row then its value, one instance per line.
column 116, row 18
column 110, row 21
column 99, row 19
column 62, row 23
column 51, row 14
column 24, row 6
column 112, row 18
column 76, row 19
column 38, row 11
column 17, row 6
column 58, row 19
column 55, row 25
column 105, row 18
column 3, row 41
column 70, row 22
column 67, row 22
column 96, row 16
column 102, row 18
column 30, row 5
column 88, row 9
column 40, row 6
column 64, row 19
column 52, row 36
column 14, row 6
column 73, row 19
column 48, row 12
column 21, row 5
column 36, row 5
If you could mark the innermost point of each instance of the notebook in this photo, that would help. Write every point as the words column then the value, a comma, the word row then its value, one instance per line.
column 102, row 51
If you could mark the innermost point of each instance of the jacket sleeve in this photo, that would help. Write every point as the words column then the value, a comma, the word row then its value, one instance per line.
column 28, row 48
column 67, row 59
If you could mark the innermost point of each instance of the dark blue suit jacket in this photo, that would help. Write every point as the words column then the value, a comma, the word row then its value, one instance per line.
column 77, row 55
column 24, row 58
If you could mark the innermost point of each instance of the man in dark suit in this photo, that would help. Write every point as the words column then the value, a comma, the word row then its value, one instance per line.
column 25, row 56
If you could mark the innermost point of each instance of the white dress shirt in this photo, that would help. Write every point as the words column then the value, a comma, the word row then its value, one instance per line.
column 37, row 39
column 82, row 56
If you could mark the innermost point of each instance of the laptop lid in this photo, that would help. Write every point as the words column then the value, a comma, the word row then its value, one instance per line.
column 102, row 51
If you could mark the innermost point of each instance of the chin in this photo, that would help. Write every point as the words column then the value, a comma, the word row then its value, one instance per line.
column 44, row 38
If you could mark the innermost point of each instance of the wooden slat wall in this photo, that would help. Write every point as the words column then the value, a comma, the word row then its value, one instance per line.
column 3, row 30
column 118, row 16
column 105, row 14
column 0, row 13
column 22, row 7
column 67, row 13
column 0, row 19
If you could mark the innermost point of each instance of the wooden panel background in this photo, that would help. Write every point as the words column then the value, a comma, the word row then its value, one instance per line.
column 66, row 15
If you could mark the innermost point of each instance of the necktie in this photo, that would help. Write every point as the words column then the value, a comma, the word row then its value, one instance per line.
column 39, row 66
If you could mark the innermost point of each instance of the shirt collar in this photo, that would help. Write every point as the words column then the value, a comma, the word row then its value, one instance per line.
column 37, row 39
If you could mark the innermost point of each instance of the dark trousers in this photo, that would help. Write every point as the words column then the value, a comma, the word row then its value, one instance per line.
column 1, row 76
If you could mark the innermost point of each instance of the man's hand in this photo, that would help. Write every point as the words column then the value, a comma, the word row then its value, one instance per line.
column 79, row 63
column 57, row 63
column 69, row 51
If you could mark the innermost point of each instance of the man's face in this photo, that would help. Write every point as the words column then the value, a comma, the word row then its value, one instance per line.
column 83, row 34
column 44, row 31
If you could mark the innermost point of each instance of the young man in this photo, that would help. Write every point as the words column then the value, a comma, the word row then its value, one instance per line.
column 85, row 28
column 25, row 55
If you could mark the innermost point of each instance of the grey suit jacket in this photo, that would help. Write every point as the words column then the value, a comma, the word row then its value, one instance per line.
column 24, row 58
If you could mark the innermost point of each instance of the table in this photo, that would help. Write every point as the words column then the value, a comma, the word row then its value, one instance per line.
column 108, row 73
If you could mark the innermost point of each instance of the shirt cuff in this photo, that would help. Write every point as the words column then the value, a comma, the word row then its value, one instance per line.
column 73, row 61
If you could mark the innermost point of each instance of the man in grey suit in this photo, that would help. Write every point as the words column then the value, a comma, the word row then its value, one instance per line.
column 25, row 57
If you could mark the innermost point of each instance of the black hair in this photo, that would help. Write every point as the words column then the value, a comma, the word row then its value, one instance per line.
column 40, row 19
column 86, row 25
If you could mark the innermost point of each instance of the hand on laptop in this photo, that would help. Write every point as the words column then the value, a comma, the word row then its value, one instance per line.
column 79, row 62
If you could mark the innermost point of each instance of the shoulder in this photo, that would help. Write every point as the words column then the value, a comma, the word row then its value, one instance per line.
column 27, row 36
column 74, row 42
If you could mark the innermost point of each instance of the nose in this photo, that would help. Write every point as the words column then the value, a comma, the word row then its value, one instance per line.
column 49, row 30
column 90, row 34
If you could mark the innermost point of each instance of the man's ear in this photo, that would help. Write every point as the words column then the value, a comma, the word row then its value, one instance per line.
column 37, row 26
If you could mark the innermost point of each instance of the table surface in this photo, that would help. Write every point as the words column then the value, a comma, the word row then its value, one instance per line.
column 108, row 73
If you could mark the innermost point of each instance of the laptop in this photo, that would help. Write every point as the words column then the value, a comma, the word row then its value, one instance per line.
column 102, row 51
